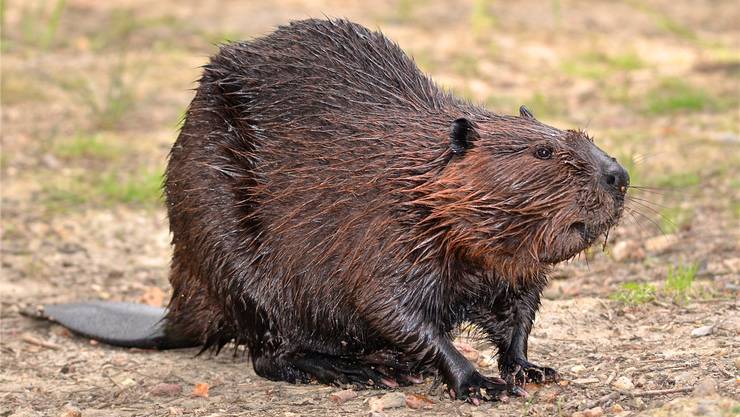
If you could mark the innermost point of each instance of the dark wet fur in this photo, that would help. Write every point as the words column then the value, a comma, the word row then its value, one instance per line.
column 330, row 205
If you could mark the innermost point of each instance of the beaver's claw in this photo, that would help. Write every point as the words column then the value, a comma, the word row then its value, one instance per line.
column 521, row 371
column 472, row 387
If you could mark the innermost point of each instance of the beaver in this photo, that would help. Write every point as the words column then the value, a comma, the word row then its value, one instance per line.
column 341, row 216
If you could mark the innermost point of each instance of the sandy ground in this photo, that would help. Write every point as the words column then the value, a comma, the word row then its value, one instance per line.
column 92, row 93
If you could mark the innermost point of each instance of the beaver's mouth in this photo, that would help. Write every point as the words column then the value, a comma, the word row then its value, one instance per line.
column 588, row 233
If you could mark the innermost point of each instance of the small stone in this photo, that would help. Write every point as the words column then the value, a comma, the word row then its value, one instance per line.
column 627, row 250
column 175, row 411
column 616, row 408
column 70, row 411
column 390, row 400
column 623, row 383
column 702, row 331
column 737, row 362
column 340, row 397
column 705, row 387
column 638, row 403
column 683, row 379
column 660, row 244
column 593, row 412
column 166, row 390
column 577, row 369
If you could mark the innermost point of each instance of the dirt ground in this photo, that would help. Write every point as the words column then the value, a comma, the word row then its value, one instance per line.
column 92, row 93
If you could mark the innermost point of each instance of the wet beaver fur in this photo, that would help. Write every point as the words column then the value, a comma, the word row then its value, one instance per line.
column 340, row 215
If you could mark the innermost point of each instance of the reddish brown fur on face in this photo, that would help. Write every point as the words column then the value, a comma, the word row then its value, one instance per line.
column 316, row 204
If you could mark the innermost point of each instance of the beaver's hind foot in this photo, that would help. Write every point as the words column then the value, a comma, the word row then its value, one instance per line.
column 521, row 371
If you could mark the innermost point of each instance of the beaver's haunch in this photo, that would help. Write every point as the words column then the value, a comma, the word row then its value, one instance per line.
column 336, row 212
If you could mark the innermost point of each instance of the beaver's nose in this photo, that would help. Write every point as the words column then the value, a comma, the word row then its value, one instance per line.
column 616, row 177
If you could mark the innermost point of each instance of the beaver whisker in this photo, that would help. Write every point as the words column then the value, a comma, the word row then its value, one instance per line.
column 632, row 211
column 606, row 238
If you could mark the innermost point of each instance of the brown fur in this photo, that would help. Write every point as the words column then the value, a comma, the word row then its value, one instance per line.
column 320, row 207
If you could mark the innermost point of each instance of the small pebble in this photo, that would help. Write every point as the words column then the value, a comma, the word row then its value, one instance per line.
column 623, row 383
column 705, row 387
column 593, row 412
column 627, row 250
column 166, row 390
column 340, row 397
column 660, row 244
column 616, row 408
column 390, row 400
column 702, row 331
column 577, row 369
column 737, row 362
column 70, row 411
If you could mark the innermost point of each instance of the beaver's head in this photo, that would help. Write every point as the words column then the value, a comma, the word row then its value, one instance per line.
column 520, row 191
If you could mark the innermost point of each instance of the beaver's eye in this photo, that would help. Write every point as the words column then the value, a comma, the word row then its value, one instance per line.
column 543, row 153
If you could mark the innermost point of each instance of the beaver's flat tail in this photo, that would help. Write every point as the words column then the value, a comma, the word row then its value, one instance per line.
column 116, row 323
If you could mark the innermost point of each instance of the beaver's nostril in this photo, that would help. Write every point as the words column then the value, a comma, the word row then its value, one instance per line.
column 616, row 178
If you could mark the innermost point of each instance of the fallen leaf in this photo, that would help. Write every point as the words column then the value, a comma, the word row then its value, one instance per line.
column 417, row 401
column 201, row 390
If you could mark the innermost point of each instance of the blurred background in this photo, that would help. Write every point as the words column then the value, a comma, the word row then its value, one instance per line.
column 93, row 93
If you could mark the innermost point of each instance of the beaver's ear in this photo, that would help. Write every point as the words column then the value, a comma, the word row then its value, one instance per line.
column 462, row 134
column 524, row 112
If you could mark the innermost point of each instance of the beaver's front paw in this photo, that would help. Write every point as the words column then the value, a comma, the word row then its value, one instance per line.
column 520, row 371
column 472, row 386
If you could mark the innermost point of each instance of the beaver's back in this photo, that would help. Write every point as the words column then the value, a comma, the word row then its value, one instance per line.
column 290, row 169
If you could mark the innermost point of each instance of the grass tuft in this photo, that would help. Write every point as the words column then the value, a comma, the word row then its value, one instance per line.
column 597, row 65
column 143, row 189
column 482, row 18
column 634, row 293
column 109, row 109
column 86, row 146
column 678, row 180
column 674, row 95
column 679, row 281
column 39, row 23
